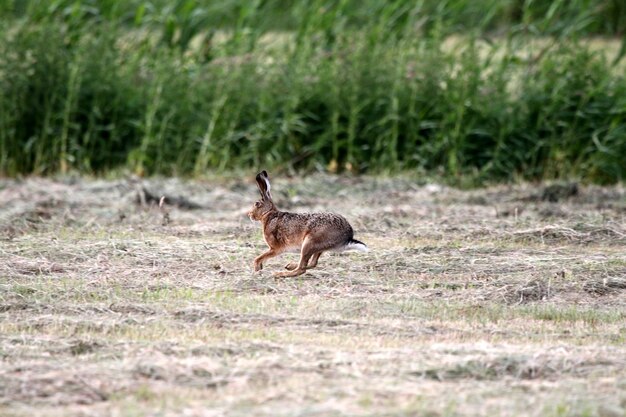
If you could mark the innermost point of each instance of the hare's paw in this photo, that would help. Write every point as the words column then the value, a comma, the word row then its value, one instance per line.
column 293, row 273
column 291, row 266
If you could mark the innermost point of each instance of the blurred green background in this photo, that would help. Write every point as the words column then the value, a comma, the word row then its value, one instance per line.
column 473, row 91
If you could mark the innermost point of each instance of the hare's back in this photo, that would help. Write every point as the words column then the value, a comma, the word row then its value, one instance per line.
column 327, row 220
column 329, row 230
column 323, row 230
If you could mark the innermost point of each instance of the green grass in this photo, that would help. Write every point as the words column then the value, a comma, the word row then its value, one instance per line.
column 474, row 91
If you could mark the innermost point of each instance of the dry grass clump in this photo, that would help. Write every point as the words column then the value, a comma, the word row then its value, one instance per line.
column 611, row 233
column 605, row 285
column 105, row 309
column 536, row 289
column 519, row 367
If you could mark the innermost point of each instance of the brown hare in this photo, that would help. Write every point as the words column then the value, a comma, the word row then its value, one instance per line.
column 310, row 233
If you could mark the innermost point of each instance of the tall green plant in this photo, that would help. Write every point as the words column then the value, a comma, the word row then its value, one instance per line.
column 185, row 87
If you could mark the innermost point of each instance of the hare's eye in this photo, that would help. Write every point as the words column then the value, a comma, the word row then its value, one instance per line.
column 257, row 204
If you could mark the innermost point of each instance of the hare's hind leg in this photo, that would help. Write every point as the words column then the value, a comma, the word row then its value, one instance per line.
column 314, row 258
column 312, row 263
column 305, row 254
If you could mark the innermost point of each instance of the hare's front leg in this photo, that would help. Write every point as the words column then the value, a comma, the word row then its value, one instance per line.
column 258, row 261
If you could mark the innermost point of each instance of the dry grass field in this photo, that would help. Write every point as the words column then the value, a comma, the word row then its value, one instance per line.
column 504, row 301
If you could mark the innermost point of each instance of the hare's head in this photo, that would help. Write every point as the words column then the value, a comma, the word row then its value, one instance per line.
column 265, row 204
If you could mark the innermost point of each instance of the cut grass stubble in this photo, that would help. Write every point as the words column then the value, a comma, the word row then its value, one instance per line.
column 103, row 305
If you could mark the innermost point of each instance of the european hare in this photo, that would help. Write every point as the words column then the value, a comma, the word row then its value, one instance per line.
column 310, row 233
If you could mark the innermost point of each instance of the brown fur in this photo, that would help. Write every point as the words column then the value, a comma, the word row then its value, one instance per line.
column 310, row 233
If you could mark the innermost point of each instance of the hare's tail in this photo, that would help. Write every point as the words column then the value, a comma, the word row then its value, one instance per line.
column 354, row 244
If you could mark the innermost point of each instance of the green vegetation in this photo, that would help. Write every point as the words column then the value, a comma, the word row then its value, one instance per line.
column 487, row 90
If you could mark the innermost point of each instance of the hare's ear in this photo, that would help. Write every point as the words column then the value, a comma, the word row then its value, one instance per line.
column 267, row 183
column 263, row 182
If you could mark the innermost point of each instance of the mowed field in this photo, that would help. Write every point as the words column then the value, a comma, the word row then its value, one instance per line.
column 507, row 301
